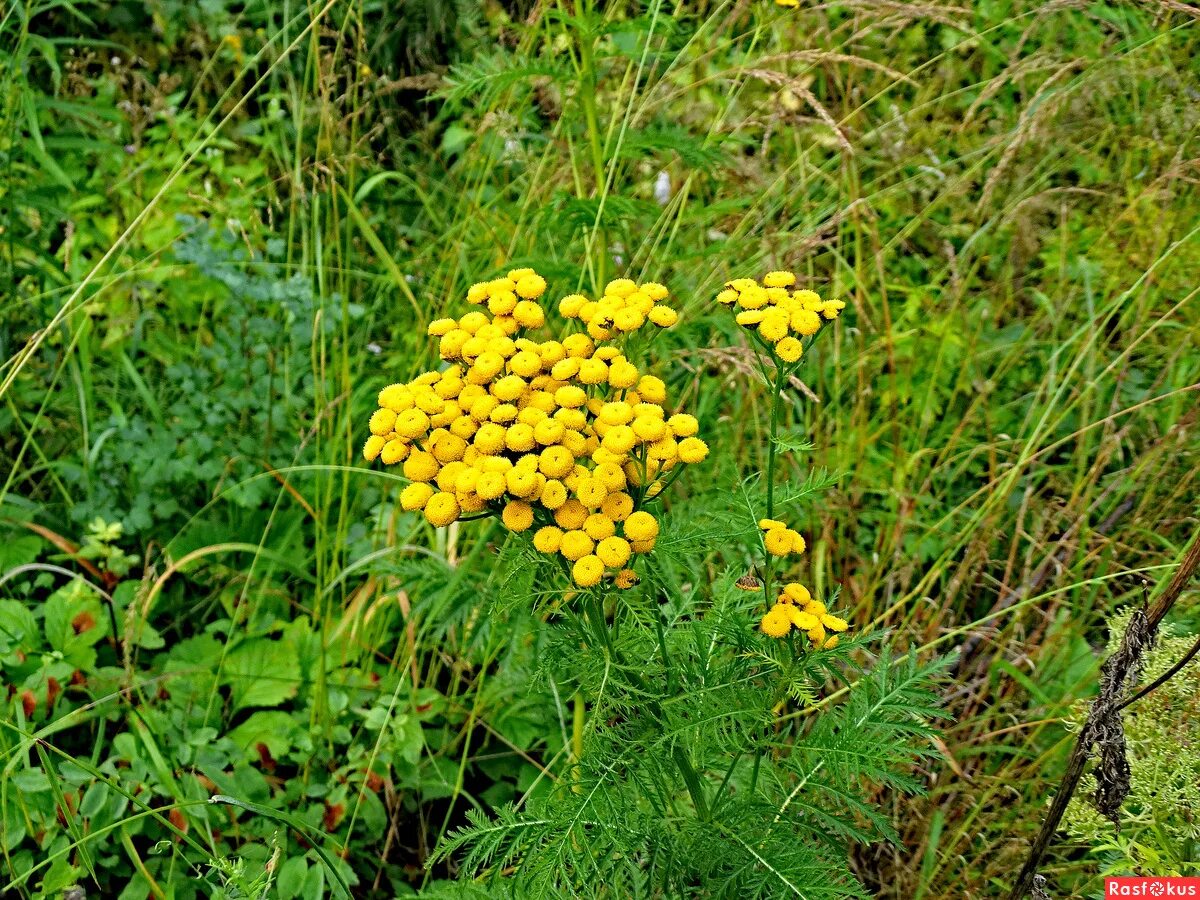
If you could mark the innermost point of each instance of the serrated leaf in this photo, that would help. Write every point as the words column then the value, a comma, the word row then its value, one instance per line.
column 261, row 672
column 794, row 441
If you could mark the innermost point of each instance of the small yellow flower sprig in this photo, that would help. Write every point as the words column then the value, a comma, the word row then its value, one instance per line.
column 781, row 540
column 560, row 434
column 778, row 315
column 796, row 608
column 794, row 605
column 624, row 308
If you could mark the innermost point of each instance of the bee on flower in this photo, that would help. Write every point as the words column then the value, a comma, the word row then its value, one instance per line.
column 565, row 439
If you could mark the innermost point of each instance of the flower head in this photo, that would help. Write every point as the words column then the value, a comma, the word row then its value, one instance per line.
column 563, row 438
column 779, row 315
column 795, row 608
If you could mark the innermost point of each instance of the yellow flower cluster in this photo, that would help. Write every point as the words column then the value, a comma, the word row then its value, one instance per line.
column 779, row 539
column 564, row 435
column 625, row 307
column 779, row 315
column 796, row 608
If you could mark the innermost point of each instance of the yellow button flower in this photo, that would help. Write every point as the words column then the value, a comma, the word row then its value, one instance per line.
column 531, row 286
column 683, row 425
column 393, row 451
column 617, row 506
column 382, row 421
column 372, row 447
column 641, row 526
column 805, row 621
column 648, row 428
column 692, row 450
column 489, row 439
column 502, row 303
column 570, row 305
column 652, row 389
column 415, row 496
column 620, row 287
column 491, row 485
column 421, row 466
column 805, row 322
column 623, row 374
column 548, row 431
column 620, row 439
column 519, row 438
column 789, row 349
column 833, row 623
column 521, row 482
column 797, row 593
column 517, row 515
column 529, row 315
column 587, row 571
column 556, row 462
column 526, row 363
column 593, row 371
column 779, row 541
column 776, row 622
column 598, row 526
column 412, row 423
column 663, row 316
column 570, row 396
column 576, row 545
column 548, row 539
column 442, row 509
column 613, row 551
column 571, row 515
column 553, row 495
column 591, row 493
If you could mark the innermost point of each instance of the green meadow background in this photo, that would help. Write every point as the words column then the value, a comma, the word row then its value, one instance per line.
column 224, row 226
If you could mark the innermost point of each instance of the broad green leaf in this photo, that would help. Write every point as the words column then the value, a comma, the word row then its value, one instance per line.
column 261, row 672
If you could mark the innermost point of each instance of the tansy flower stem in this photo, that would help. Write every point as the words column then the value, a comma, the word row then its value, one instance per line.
column 577, row 726
column 594, row 607
column 588, row 98
column 777, row 390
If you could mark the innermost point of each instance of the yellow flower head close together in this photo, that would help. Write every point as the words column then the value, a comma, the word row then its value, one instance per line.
column 795, row 608
column 779, row 539
column 565, row 439
column 778, row 314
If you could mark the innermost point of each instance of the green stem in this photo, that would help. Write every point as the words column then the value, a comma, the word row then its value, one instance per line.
column 595, row 612
column 577, row 726
column 776, row 393
column 588, row 98
column 780, row 376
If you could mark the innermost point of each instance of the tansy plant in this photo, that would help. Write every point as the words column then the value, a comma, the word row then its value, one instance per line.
column 683, row 772
column 777, row 318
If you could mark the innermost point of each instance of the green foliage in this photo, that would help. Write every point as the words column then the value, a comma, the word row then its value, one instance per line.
column 685, row 778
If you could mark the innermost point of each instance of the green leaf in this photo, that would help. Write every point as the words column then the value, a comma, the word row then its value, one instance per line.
column 270, row 727
column 292, row 875
column 19, row 551
column 18, row 628
column 261, row 672
column 74, row 621
column 793, row 440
